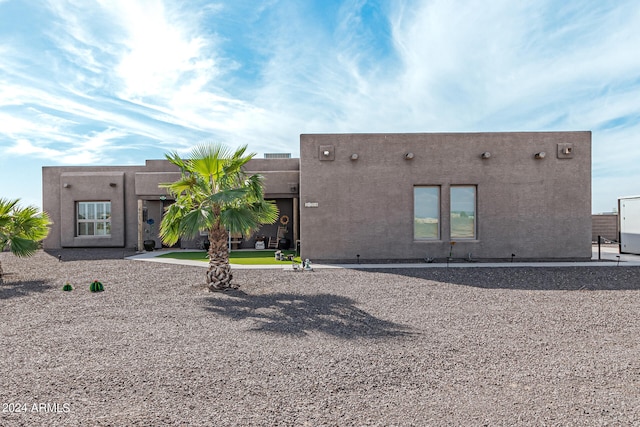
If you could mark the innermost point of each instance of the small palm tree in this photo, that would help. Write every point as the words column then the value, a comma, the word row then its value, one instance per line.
column 21, row 229
column 215, row 195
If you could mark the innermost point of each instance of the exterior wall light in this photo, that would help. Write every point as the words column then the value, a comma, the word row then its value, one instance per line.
column 565, row 150
column 485, row 155
column 112, row 184
column 326, row 153
column 66, row 185
column 408, row 156
column 540, row 155
column 354, row 156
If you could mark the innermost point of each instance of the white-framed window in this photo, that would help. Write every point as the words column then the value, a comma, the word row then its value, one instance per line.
column 426, row 212
column 463, row 212
column 93, row 218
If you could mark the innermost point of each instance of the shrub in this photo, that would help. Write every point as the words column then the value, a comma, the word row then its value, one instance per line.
column 96, row 286
column 67, row 287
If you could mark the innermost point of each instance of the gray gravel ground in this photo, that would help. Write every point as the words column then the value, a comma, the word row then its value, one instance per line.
column 472, row 347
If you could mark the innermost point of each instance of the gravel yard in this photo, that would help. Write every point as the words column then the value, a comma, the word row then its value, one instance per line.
column 403, row 347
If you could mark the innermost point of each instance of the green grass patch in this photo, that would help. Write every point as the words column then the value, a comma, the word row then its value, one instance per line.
column 266, row 257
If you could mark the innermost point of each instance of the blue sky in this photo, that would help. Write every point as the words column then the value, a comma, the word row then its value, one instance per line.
column 115, row 82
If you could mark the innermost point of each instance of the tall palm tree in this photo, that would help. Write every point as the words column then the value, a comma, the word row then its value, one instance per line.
column 215, row 195
column 21, row 229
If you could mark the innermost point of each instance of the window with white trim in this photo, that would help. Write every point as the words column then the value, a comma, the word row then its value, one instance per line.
column 93, row 218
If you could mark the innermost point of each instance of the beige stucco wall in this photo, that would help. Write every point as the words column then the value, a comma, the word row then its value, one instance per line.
column 92, row 186
column 281, row 176
column 147, row 183
column 130, row 184
column 538, row 209
column 88, row 184
column 535, row 209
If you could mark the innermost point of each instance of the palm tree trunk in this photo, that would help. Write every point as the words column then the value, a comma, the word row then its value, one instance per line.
column 219, row 273
column 1, row 281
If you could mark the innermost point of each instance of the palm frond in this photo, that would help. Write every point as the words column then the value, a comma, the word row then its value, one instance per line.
column 170, row 224
column 7, row 205
column 174, row 158
column 207, row 160
column 240, row 219
column 195, row 221
column 234, row 166
column 34, row 227
column 255, row 184
column 266, row 211
column 227, row 196
column 21, row 228
column 22, row 247
column 184, row 184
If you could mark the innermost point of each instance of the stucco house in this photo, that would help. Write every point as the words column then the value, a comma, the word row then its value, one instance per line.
column 122, row 206
column 368, row 197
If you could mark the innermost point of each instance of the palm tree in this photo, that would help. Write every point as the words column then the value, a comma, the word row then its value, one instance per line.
column 21, row 229
column 215, row 195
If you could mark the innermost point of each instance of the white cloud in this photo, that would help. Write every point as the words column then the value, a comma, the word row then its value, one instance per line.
column 163, row 63
column 92, row 149
column 161, row 56
column 24, row 147
column 159, row 75
column 464, row 63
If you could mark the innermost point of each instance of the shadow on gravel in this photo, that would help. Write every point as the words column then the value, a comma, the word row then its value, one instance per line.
column 530, row 278
column 89, row 254
column 297, row 315
column 21, row 289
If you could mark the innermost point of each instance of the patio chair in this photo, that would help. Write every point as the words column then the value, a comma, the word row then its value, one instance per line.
column 273, row 243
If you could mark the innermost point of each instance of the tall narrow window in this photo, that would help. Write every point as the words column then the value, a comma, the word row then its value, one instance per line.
column 94, row 218
column 463, row 212
column 426, row 213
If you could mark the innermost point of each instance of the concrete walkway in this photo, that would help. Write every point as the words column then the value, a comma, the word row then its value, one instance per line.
column 609, row 258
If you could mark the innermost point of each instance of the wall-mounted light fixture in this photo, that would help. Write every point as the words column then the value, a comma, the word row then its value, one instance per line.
column 66, row 185
column 565, row 150
column 408, row 156
column 485, row 155
column 541, row 155
column 354, row 156
column 326, row 153
column 112, row 184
